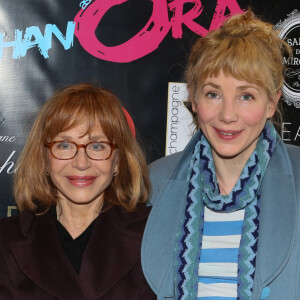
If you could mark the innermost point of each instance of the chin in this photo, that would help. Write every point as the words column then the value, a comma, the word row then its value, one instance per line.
column 82, row 201
column 234, row 152
column 226, row 155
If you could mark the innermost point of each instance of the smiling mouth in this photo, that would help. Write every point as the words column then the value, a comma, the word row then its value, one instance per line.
column 81, row 181
column 227, row 134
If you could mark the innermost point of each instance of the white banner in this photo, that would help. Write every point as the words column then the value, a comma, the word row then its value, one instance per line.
column 180, row 124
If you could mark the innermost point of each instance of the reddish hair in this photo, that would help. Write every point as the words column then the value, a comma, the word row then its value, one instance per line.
column 75, row 105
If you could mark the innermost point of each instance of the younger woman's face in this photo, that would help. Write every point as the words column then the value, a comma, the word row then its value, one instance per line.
column 81, row 180
column 231, row 114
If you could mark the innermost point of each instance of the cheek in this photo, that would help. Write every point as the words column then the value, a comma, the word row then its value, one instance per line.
column 55, row 166
column 105, row 167
column 205, row 113
column 255, row 117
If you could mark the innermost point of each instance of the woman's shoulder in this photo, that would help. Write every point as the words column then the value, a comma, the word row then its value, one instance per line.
column 140, row 212
column 9, row 222
column 10, row 228
column 294, row 152
column 16, row 228
column 163, row 167
column 121, row 218
column 166, row 161
column 178, row 162
column 118, row 222
column 294, row 155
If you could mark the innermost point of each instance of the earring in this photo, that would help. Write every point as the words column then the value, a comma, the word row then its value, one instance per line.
column 116, row 173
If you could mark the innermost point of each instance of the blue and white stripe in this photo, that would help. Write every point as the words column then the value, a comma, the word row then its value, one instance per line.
column 218, row 267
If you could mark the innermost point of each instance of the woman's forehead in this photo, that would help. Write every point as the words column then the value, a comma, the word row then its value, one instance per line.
column 83, row 129
column 236, row 74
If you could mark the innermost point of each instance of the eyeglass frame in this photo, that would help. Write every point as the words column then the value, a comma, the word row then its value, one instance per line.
column 84, row 146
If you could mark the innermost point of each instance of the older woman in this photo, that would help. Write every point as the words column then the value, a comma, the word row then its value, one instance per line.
column 225, row 222
column 81, row 188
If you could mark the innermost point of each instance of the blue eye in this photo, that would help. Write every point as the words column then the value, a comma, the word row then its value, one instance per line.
column 212, row 95
column 246, row 97
column 97, row 146
column 63, row 145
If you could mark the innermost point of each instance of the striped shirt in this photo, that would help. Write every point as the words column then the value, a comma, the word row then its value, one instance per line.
column 218, row 267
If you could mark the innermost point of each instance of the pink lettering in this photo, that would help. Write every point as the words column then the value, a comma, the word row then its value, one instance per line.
column 143, row 43
column 188, row 18
column 219, row 15
column 150, row 37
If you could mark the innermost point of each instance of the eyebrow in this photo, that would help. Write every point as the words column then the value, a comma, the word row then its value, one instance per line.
column 94, row 137
column 211, row 84
column 241, row 87
column 64, row 137
column 98, row 137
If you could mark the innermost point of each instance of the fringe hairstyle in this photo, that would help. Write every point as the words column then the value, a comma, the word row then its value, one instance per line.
column 72, row 106
column 246, row 48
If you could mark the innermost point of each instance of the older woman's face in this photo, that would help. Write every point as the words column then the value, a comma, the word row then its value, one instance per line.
column 231, row 114
column 81, row 180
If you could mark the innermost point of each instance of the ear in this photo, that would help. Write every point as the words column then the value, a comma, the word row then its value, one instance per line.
column 194, row 104
column 194, row 107
column 116, row 162
column 273, row 103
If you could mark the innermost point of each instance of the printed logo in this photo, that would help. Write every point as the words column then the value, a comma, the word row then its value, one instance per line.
column 167, row 16
column 153, row 33
column 180, row 123
column 290, row 32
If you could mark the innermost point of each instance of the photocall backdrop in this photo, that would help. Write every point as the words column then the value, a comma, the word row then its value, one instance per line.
column 136, row 48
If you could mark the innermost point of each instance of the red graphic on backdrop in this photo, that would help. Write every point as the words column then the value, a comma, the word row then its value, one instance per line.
column 129, row 121
column 153, row 33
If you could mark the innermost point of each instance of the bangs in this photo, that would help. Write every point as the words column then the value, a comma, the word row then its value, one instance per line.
column 76, row 110
column 238, row 58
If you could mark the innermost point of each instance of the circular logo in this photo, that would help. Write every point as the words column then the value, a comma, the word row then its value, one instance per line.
column 290, row 32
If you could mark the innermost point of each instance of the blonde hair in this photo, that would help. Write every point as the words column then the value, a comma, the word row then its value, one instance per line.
column 246, row 48
column 75, row 105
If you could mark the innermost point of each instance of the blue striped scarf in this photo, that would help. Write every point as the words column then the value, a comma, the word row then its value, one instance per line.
column 203, row 190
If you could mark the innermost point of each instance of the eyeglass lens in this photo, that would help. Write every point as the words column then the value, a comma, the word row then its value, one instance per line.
column 94, row 150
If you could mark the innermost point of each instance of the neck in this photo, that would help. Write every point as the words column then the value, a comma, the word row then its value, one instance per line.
column 228, row 171
column 77, row 217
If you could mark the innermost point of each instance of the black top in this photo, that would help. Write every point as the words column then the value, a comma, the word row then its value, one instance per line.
column 74, row 248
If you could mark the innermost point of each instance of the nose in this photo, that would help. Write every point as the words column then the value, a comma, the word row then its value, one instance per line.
column 81, row 160
column 228, row 112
